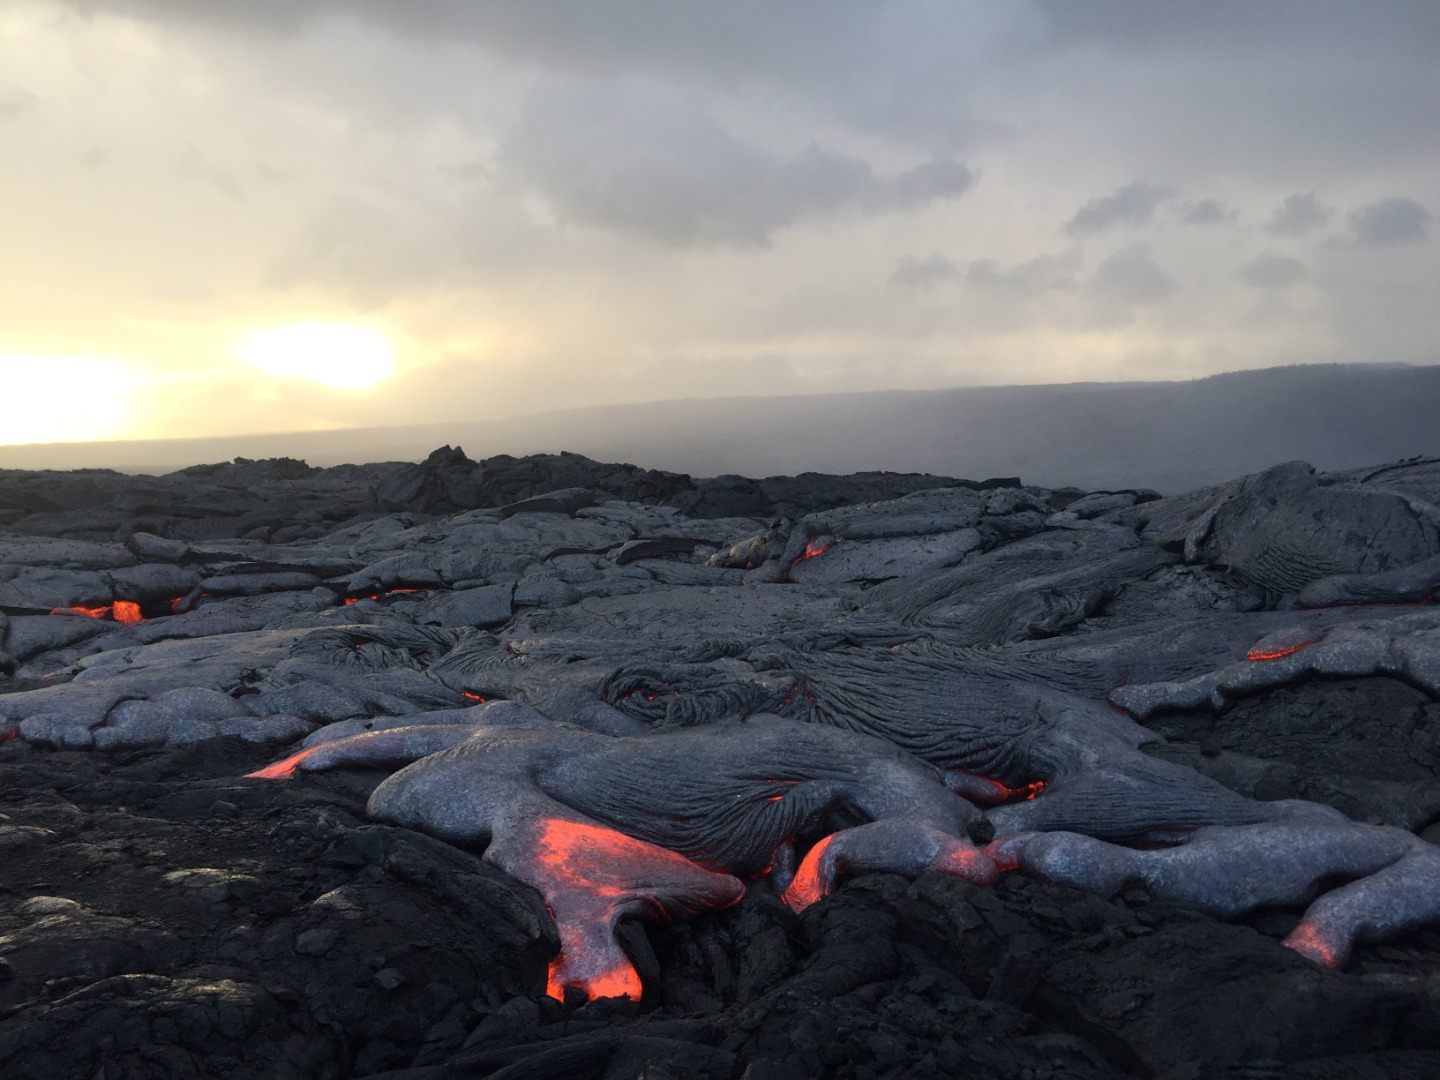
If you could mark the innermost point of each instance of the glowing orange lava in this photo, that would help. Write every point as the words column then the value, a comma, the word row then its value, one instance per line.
column 472, row 697
column 601, row 861
column 1276, row 654
column 808, row 887
column 377, row 595
column 589, row 875
column 617, row 979
column 1025, row 792
column 1308, row 942
column 965, row 862
column 813, row 548
column 87, row 612
column 283, row 770
column 983, row 791
column 1002, row 853
column 122, row 611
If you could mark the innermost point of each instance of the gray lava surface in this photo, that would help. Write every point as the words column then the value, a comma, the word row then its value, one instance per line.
column 1264, row 654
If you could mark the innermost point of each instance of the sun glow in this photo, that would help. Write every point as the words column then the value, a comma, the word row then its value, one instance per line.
column 337, row 354
column 63, row 399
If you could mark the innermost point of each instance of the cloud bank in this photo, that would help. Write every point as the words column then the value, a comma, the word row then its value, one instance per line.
column 553, row 205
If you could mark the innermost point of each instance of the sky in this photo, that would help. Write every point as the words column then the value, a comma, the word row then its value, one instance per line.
column 243, row 216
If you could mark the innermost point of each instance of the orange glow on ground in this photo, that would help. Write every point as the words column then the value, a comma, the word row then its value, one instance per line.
column 1276, row 654
column 377, row 595
column 618, row 979
column 598, row 860
column 1025, row 792
column 965, row 862
column 813, row 549
column 808, row 887
column 589, row 875
column 122, row 611
column 283, row 770
column 87, row 612
column 982, row 791
column 1308, row 942
column 1001, row 855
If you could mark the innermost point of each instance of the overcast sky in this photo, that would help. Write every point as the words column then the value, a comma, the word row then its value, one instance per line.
column 537, row 205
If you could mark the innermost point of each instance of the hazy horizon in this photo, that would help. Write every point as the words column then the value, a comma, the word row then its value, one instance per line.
column 1164, row 435
column 236, row 217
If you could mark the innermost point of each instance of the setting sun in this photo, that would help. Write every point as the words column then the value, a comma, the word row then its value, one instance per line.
column 63, row 399
column 337, row 354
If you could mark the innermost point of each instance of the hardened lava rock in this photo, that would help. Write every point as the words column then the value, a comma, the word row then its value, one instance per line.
column 872, row 776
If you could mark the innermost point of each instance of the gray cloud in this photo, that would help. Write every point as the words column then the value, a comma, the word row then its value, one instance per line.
column 940, row 178
column 1132, row 277
column 1413, row 28
column 1044, row 273
column 1299, row 215
column 924, row 273
column 1133, row 204
column 880, row 68
column 1272, row 272
column 636, row 159
column 1390, row 221
column 555, row 179
column 1205, row 212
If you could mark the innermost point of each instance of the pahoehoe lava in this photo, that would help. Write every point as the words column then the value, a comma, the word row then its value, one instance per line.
column 880, row 775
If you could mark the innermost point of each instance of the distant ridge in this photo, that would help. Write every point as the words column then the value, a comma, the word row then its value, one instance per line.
column 1170, row 436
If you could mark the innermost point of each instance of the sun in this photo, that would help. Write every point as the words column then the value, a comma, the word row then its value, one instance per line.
column 341, row 355
column 65, row 398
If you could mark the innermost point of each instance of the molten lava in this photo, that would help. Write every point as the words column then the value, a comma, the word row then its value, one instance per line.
column 1004, row 853
column 589, row 875
column 87, row 612
column 1307, row 941
column 377, row 595
column 122, row 611
column 1258, row 653
column 1024, row 792
column 618, row 979
column 814, row 547
column 983, row 791
column 809, row 886
column 965, row 862
column 283, row 770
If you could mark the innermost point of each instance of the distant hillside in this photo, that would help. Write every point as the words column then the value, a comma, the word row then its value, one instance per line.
column 1168, row 436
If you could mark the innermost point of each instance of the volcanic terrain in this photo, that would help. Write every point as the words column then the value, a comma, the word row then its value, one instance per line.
column 882, row 775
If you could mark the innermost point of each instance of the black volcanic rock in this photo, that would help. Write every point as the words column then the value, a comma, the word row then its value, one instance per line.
column 162, row 914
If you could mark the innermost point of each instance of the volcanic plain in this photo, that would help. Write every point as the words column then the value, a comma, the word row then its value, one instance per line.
column 1199, row 735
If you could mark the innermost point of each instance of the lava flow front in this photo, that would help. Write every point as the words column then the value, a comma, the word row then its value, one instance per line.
column 122, row 611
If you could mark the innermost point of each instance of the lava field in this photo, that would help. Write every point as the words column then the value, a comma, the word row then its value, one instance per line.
column 547, row 768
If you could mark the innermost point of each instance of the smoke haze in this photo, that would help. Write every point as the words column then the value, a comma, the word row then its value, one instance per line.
column 1166, row 436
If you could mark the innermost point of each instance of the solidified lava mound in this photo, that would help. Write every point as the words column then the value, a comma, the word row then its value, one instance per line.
column 882, row 775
